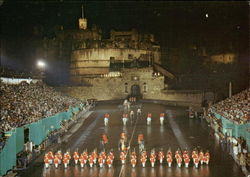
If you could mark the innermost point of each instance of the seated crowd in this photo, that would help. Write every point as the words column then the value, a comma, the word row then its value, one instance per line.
column 26, row 103
column 235, row 108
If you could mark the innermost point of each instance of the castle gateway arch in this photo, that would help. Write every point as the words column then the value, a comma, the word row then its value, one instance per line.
column 136, row 91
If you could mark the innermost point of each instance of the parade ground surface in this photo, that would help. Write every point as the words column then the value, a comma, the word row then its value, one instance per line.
column 178, row 131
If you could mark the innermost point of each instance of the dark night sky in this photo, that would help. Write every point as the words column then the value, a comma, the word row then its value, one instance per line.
column 156, row 17
column 175, row 24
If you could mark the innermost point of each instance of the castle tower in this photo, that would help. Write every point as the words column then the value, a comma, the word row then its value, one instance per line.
column 82, row 21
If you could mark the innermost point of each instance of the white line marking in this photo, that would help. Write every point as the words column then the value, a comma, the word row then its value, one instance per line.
column 129, row 145
column 177, row 132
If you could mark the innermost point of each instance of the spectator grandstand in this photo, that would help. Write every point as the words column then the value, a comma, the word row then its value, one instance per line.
column 26, row 103
column 233, row 113
column 11, row 73
column 236, row 108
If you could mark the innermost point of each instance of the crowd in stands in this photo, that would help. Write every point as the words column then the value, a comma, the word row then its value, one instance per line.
column 11, row 73
column 236, row 108
column 26, row 103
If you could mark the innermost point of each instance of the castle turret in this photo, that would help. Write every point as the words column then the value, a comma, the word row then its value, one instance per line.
column 82, row 21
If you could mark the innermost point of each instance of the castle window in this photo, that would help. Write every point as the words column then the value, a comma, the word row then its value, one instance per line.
column 112, row 59
column 126, row 87
column 144, row 87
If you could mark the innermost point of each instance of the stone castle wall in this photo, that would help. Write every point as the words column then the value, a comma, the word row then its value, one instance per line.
column 97, row 61
column 151, row 88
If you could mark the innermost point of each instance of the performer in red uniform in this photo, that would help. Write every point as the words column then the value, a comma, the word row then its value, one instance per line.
column 179, row 161
column 100, row 161
column 94, row 155
column 186, row 161
column 201, row 155
column 56, row 161
column 161, row 156
column 84, row 156
column 76, row 157
column 81, row 160
column 206, row 157
column 185, row 154
column 122, row 157
column 162, row 117
column 59, row 156
column 109, row 161
column 46, row 161
column 124, row 119
column 91, row 161
column 133, row 160
column 152, row 160
column 149, row 118
column 106, row 119
column 196, row 162
column 67, row 155
column 104, row 156
column 65, row 162
column 195, row 155
column 169, row 160
column 51, row 157
column 143, row 159
column 140, row 138
column 111, row 156
column 152, row 157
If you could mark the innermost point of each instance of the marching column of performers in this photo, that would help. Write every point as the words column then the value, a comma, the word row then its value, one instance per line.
column 107, row 158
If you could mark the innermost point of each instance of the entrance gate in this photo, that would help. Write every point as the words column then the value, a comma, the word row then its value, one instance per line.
column 136, row 92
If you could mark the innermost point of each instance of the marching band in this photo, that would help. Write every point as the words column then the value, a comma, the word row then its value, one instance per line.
column 103, row 158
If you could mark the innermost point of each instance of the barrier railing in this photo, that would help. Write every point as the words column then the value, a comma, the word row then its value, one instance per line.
column 238, row 130
column 38, row 131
